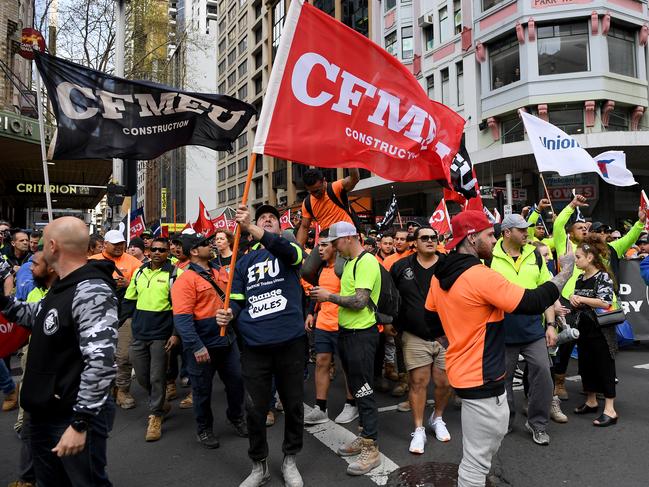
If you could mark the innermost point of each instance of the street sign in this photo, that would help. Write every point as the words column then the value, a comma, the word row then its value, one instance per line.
column 518, row 194
column 507, row 209
column 163, row 202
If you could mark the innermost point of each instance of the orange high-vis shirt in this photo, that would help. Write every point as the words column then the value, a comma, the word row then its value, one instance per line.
column 390, row 260
column 325, row 211
column 327, row 319
column 472, row 313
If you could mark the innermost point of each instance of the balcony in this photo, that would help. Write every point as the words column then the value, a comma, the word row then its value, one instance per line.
column 279, row 179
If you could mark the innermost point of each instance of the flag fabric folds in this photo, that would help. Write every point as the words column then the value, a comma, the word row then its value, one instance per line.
column 100, row 116
column 390, row 215
column 611, row 166
column 204, row 223
column 336, row 99
column 285, row 220
column 440, row 221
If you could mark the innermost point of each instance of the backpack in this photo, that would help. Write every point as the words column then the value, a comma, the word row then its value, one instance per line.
column 343, row 203
column 387, row 308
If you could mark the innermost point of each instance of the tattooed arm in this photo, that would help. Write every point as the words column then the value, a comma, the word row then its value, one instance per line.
column 358, row 301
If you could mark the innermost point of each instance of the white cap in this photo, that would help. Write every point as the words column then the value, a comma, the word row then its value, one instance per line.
column 114, row 237
column 338, row 230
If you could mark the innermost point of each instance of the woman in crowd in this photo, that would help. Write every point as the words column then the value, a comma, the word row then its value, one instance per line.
column 223, row 241
column 594, row 290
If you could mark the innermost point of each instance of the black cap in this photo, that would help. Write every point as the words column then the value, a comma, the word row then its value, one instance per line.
column 644, row 239
column 190, row 241
column 412, row 223
column 369, row 241
column 266, row 209
column 137, row 242
column 600, row 227
column 147, row 233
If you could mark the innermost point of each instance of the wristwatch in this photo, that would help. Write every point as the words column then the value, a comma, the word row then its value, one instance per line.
column 79, row 425
column 551, row 323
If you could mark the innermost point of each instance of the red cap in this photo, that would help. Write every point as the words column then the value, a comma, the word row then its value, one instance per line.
column 467, row 223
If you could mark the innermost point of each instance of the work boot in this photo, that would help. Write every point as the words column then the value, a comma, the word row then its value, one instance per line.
column 555, row 411
column 11, row 400
column 390, row 372
column 402, row 387
column 270, row 419
column 381, row 384
column 369, row 459
column 240, row 427
column 172, row 392
column 124, row 399
column 187, row 403
column 560, row 386
column 352, row 448
column 291, row 474
column 21, row 483
column 260, row 475
column 154, row 429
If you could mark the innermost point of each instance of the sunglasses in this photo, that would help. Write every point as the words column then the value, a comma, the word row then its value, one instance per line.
column 428, row 238
column 162, row 250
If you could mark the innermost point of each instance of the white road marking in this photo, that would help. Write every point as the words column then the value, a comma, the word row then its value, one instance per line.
column 641, row 366
column 333, row 436
column 429, row 402
column 574, row 378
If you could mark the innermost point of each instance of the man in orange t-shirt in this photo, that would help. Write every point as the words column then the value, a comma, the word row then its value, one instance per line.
column 125, row 267
column 401, row 249
column 471, row 299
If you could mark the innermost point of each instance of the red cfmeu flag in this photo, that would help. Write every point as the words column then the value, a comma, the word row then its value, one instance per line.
column 336, row 99
column 285, row 220
column 440, row 222
column 644, row 204
column 220, row 223
column 12, row 336
column 203, row 223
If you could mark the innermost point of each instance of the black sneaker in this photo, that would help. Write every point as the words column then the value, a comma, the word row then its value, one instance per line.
column 240, row 427
column 540, row 437
column 208, row 440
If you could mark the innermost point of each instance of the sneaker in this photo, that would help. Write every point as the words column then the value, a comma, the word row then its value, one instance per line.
column 154, row 428
column 352, row 448
column 260, row 475
column 439, row 427
column 125, row 400
column 207, row 439
column 291, row 474
column 369, row 458
column 187, row 403
column 555, row 411
column 316, row 416
column 270, row 419
column 184, row 381
column 240, row 427
column 540, row 437
column 347, row 415
column 172, row 392
column 418, row 441
column 404, row 407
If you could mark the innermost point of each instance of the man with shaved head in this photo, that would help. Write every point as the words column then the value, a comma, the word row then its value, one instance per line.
column 71, row 363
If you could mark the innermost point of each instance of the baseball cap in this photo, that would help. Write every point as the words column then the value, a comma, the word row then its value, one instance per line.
column 190, row 241
column 338, row 230
column 369, row 241
column 514, row 220
column 147, row 233
column 114, row 237
column 412, row 223
column 600, row 227
column 137, row 242
column 644, row 239
column 467, row 223
column 266, row 209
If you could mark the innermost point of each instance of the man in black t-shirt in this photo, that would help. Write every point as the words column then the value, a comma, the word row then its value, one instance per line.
column 422, row 333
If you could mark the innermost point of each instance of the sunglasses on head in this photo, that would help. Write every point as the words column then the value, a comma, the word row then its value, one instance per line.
column 159, row 249
column 428, row 238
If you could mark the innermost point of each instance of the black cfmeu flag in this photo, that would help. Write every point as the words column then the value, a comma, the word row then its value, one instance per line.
column 463, row 179
column 390, row 215
column 101, row 116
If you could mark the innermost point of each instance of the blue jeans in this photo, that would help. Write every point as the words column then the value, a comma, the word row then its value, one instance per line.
column 86, row 469
column 7, row 384
column 225, row 361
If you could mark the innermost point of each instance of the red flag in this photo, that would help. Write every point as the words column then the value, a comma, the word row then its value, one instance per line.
column 12, row 336
column 164, row 231
column 187, row 225
column 220, row 223
column 203, row 223
column 336, row 99
column 285, row 220
column 450, row 195
column 440, row 222
column 137, row 226
column 474, row 204
column 644, row 204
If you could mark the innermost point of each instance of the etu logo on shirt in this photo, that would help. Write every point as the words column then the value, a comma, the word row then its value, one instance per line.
column 261, row 270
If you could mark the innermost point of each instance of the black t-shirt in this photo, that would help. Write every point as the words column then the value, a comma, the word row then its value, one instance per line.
column 598, row 286
column 423, row 276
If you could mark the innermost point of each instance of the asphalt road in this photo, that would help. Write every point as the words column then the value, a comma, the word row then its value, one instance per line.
column 579, row 455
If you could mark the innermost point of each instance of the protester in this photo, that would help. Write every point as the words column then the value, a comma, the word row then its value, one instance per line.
column 74, row 334
column 147, row 238
column 197, row 295
column 6, row 277
column 95, row 245
column 224, row 240
column 424, row 356
column 5, row 237
column 369, row 244
column 360, row 286
column 34, row 238
column 471, row 300
column 267, row 304
column 401, row 249
column 124, row 268
column 136, row 249
column 19, row 251
column 386, row 247
column 597, row 345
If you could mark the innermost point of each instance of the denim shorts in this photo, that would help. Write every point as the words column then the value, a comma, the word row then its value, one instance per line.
column 325, row 341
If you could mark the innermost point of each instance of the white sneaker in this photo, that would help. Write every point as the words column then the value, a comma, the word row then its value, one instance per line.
column 439, row 427
column 347, row 415
column 418, row 441
column 316, row 416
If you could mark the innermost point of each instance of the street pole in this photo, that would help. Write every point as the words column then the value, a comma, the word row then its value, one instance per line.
column 508, row 186
column 119, row 71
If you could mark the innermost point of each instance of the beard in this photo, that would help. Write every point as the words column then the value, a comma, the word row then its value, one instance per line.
column 40, row 281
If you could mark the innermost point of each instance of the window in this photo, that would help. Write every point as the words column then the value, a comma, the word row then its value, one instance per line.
column 232, row 57
column 512, row 129
column 487, row 4
column 258, row 9
column 243, row 92
column 443, row 24
column 259, row 60
column 222, row 88
column 430, row 86
column 232, row 169
column 327, row 6
column 243, row 44
column 563, row 48
column 505, row 62
column 459, row 77
column 355, row 15
column 391, row 43
column 429, row 37
column 232, row 36
column 242, row 188
column 222, row 47
column 232, row 193
column 457, row 16
column 621, row 51
column 222, row 68
column 242, row 140
column 221, row 197
column 258, row 33
column 278, row 24
column 243, row 68
column 446, row 98
column 232, row 79
column 222, row 27
column 259, row 164
column 407, row 44
column 222, row 173
column 243, row 23
column 569, row 119
column 259, row 187
column 258, row 85
column 390, row 4
column 243, row 164
column 618, row 120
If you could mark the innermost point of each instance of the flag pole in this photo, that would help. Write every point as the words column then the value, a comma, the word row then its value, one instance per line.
column 174, row 203
column 41, row 129
column 547, row 193
column 237, row 236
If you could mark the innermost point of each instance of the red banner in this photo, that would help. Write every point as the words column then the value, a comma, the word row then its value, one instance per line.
column 285, row 220
column 336, row 99
column 440, row 221
column 203, row 223
column 222, row 223
column 12, row 337
column 137, row 226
